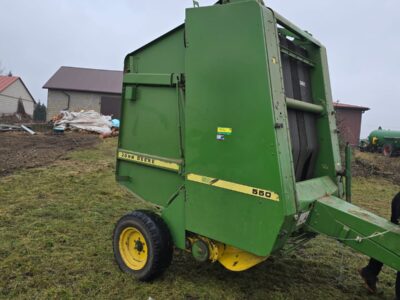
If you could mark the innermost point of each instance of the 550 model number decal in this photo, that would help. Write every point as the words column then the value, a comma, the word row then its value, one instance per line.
column 237, row 187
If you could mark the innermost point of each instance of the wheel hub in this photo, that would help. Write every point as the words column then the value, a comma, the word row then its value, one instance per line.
column 133, row 248
column 139, row 245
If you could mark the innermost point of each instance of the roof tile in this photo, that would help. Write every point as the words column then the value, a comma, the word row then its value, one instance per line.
column 6, row 81
column 349, row 106
column 87, row 80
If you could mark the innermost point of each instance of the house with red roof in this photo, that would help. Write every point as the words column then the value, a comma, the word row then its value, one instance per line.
column 12, row 91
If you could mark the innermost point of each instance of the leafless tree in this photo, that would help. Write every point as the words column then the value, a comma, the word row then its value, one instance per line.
column 1, row 68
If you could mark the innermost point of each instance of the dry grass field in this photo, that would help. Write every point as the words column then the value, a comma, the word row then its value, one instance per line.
column 56, row 224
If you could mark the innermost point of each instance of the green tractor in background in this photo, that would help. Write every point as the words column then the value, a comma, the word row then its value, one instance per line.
column 383, row 141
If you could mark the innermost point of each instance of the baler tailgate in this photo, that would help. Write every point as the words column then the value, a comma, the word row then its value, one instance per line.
column 358, row 229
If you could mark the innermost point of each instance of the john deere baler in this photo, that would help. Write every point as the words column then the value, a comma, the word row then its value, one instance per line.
column 228, row 129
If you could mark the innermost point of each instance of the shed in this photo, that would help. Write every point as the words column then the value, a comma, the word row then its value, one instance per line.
column 12, row 91
column 77, row 89
column 349, row 118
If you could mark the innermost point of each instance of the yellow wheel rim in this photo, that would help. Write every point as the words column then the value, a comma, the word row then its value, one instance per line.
column 133, row 248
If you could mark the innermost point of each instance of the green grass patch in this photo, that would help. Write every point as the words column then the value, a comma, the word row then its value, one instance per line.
column 56, row 225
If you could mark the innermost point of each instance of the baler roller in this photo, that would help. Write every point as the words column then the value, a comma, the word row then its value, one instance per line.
column 304, row 106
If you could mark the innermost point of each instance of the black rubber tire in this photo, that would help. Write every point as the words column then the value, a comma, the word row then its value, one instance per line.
column 158, row 239
column 387, row 150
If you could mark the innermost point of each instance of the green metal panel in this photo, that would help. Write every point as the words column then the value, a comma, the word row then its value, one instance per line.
column 162, row 56
column 152, row 122
column 357, row 228
column 348, row 159
column 154, row 185
column 328, row 162
column 227, row 85
column 149, row 79
column 311, row 190
column 149, row 123
column 173, row 215
column 283, row 144
column 293, row 28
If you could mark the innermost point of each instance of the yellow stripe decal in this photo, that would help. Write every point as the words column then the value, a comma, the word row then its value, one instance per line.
column 240, row 188
column 149, row 161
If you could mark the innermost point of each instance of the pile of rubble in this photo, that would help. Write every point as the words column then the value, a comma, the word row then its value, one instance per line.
column 90, row 121
column 8, row 127
column 83, row 121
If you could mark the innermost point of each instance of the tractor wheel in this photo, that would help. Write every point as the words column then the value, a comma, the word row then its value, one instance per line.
column 142, row 245
column 388, row 150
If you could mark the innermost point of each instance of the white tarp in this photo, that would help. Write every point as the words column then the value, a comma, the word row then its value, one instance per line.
column 86, row 120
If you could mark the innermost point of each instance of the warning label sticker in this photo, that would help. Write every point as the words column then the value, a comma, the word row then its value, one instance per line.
column 224, row 130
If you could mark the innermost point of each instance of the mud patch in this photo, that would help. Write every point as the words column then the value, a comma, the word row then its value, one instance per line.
column 19, row 150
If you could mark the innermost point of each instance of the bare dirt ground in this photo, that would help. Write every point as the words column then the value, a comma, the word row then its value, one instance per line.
column 19, row 150
column 375, row 164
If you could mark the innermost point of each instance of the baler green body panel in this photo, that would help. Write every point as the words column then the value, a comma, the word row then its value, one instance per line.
column 149, row 119
column 228, row 127
column 249, row 155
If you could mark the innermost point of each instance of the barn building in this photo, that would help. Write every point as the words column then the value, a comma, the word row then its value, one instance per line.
column 77, row 89
column 349, row 118
column 12, row 91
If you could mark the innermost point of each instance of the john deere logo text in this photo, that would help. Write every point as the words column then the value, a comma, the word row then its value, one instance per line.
column 134, row 157
column 149, row 161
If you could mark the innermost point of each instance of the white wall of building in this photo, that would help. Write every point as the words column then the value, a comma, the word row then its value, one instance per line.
column 10, row 96
column 57, row 101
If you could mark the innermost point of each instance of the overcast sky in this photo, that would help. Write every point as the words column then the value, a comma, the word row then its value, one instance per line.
column 37, row 37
